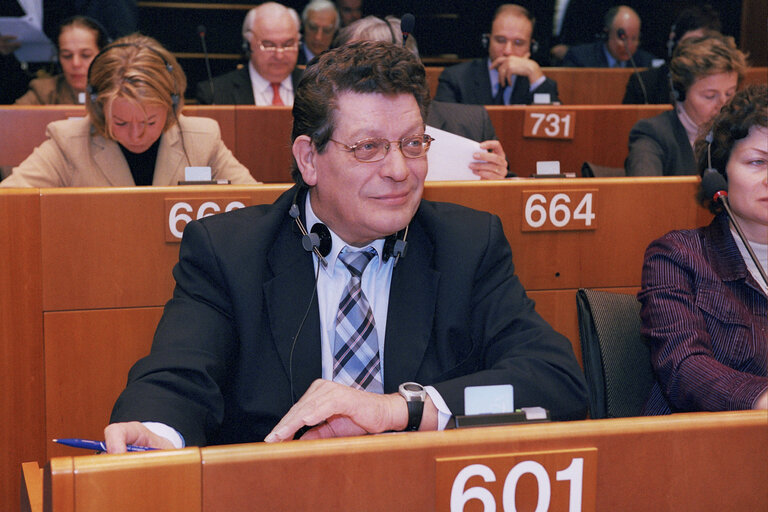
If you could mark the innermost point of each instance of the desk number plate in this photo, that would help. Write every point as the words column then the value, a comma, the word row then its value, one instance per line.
column 179, row 212
column 552, row 210
column 540, row 481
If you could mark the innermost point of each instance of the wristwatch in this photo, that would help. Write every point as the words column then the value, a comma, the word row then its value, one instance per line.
column 414, row 395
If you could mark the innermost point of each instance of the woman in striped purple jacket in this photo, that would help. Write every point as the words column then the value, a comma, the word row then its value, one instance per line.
column 704, row 301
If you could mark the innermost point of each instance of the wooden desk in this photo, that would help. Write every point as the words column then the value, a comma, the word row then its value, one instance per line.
column 595, row 86
column 600, row 135
column 86, row 272
column 259, row 137
column 700, row 461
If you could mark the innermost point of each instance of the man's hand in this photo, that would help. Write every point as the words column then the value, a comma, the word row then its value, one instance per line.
column 513, row 65
column 8, row 44
column 492, row 163
column 336, row 410
column 117, row 435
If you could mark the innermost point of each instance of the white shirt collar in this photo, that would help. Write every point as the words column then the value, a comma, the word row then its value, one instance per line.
column 337, row 243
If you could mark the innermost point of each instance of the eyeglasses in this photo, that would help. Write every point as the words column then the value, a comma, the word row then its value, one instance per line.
column 269, row 46
column 375, row 149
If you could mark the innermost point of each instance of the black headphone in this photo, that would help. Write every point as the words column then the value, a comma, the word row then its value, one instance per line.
column 677, row 90
column 93, row 94
column 485, row 40
column 318, row 240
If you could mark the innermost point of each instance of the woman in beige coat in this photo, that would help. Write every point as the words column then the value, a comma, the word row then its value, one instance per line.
column 133, row 133
column 79, row 39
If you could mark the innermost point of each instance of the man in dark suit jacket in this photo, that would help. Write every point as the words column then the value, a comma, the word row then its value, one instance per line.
column 271, row 41
column 622, row 28
column 243, row 338
column 509, row 76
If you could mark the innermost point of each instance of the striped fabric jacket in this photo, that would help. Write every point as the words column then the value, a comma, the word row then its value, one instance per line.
column 706, row 320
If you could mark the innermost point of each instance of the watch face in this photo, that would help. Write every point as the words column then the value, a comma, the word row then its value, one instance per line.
column 410, row 386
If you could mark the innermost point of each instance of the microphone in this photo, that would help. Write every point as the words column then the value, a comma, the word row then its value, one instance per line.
column 714, row 185
column 407, row 23
column 622, row 34
column 201, row 33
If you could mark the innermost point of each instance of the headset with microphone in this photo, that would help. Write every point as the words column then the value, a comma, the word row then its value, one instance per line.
column 715, row 186
column 485, row 40
column 318, row 239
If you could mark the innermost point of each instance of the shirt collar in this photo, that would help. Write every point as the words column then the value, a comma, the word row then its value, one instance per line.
column 338, row 244
column 262, row 84
column 612, row 62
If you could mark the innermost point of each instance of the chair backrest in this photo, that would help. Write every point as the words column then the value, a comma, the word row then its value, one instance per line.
column 617, row 361
column 590, row 170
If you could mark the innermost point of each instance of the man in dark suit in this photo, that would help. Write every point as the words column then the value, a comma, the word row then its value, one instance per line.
column 509, row 76
column 655, row 89
column 320, row 21
column 622, row 29
column 271, row 41
column 264, row 338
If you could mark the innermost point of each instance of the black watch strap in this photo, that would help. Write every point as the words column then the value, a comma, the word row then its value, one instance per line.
column 415, row 411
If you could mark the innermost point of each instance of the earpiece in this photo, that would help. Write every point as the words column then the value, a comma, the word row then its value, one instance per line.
column 678, row 93
column 319, row 240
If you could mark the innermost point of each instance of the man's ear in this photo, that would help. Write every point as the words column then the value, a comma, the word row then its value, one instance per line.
column 304, row 153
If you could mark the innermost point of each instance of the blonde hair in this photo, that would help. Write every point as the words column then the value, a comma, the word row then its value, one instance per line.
column 139, row 69
column 698, row 57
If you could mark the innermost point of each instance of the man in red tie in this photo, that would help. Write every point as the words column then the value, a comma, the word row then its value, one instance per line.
column 271, row 40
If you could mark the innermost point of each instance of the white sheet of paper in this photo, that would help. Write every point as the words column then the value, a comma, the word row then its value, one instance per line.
column 35, row 47
column 449, row 156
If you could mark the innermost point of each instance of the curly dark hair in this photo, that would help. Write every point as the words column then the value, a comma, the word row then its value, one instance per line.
column 361, row 67
column 748, row 108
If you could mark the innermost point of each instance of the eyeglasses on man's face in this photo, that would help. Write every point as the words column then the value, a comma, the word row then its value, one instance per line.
column 375, row 149
column 269, row 46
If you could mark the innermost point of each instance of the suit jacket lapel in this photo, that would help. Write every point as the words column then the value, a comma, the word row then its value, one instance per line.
column 481, row 81
column 111, row 162
column 412, row 302
column 170, row 156
column 287, row 296
column 242, row 88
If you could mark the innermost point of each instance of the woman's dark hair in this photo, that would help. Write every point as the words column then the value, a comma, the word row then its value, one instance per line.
column 102, row 37
column 748, row 108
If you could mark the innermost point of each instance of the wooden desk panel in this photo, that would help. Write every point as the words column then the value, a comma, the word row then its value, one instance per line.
column 601, row 136
column 22, row 409
column 106, row 248
column 699, row 461
column 87, row 358
column 264, row 142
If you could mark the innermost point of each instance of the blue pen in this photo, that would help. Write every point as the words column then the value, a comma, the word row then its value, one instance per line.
column 99, row 446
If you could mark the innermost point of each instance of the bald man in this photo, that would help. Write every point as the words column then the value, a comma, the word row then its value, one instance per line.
column 271, row 40
column 622, row 29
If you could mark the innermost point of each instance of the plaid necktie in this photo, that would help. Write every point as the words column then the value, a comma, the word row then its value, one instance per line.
column 356, row 344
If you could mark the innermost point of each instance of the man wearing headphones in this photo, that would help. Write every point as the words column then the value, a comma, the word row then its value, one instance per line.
column 271, row 41
column 508, row 76
column 272, row 331
column 622, row 32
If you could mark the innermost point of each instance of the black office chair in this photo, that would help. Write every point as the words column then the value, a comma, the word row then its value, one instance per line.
column 590, row 170
column 617, row 361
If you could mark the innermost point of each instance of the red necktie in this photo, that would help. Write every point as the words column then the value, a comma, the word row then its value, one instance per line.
column 276, row 100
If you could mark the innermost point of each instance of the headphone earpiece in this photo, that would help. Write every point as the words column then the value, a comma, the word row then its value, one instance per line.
column 245, row 48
